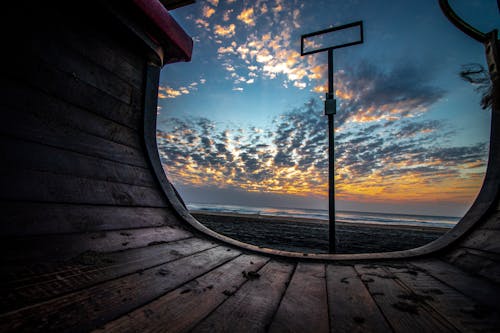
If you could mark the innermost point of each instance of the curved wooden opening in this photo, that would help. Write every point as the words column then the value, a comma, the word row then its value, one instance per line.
column 484, row 204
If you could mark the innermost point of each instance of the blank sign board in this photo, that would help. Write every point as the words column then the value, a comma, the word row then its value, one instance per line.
column 332, row 38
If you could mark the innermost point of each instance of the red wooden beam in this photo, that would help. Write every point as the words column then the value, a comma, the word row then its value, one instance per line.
column 169, row 33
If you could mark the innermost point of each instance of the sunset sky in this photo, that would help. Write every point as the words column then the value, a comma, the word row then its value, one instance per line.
column 243, row 123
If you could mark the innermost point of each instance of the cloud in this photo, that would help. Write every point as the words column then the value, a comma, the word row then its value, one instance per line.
column 409, row 158
column 202, row 23
column 208, row 11
column 247, row 16
column 165, row 92
column 227, row 31
column 368, row 94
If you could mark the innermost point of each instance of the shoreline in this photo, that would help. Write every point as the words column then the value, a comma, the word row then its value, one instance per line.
column 272, row 218
column 311, row 236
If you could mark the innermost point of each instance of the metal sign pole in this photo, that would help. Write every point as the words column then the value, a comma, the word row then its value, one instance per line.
column 330, row 110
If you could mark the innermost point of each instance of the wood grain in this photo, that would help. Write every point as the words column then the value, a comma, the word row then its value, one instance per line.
column 181, row 309
column 87, row 309
column 481, row 290
column 352, row 308
column 304, row 307
column 398, row 305
column 26, row 155
column 485, row 264
column 71, row 89
column 50, row 187
column 252, row 308
column 65, row 246
column 32, row 218
column 461, row 311
column 87, row 269
column 23, row 125
column 44, row 106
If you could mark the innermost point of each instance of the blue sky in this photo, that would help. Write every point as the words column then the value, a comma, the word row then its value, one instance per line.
column 242, row 122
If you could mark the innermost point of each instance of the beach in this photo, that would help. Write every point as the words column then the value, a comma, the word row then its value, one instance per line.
column 311, row 235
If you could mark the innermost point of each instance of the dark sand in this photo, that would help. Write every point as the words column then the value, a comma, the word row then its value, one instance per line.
column 307, row 235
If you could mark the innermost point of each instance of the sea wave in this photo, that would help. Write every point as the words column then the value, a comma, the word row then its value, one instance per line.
column 341, row 216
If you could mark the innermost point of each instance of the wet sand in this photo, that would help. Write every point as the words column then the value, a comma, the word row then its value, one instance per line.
column 308, row 235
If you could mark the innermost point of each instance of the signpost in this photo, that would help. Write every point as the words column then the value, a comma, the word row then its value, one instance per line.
column 328, row 40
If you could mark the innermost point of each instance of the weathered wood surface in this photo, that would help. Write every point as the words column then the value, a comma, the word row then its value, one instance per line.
column 46, row 108
column 50, row 187
column 448, row 302
column 483, row 239
column 87, row 269
column 478, row 262
column 71, row 89
column 304, row 306
column 252, row 307
column 351, row 306
column 181, row 309
column 110, row 52
column 65, row 246
column 66, row 162
column 56, row 55
column 404, row 311
column 94, row 306
column 29, row 127
column 477, row 288
column 32, row 218
column 492, row 223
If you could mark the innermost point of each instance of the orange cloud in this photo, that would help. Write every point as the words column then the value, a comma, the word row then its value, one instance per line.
column 228, row 31
column 208, row 11
column 247, row 17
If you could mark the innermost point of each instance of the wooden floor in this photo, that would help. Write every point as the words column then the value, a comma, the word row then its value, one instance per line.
column 167, row 280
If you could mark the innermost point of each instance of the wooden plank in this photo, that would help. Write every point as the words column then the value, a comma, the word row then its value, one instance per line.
column 55, row 54
column 66, row 115
column 107, row 43
column 30, row 218
column 486, row 240
column 107, row 51
column 398, row 304
column 65, row 246
column 49, row 187
column 25, row 155
column 88, row 269
column 23, row 125
column 304, row 307
column 181, row 309
column 352, row 308
column 66, row 87
column 477, row 262
column 479, row 289
column 492, row 223
column 89, row 308
column 252, row 308
column 465, row 314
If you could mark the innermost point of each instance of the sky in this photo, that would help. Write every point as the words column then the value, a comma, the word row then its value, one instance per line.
column 243, row 123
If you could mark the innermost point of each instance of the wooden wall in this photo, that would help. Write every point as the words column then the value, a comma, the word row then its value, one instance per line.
column 71, row 129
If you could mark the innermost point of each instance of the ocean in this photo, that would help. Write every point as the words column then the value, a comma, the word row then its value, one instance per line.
column 341, row 216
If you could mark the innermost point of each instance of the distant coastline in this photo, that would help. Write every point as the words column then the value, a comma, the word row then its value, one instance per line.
column 311, row 235
column 382, row 220
column 270, row 218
